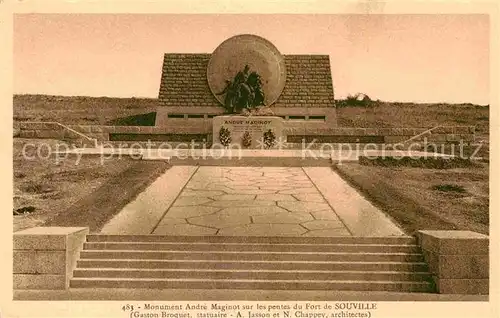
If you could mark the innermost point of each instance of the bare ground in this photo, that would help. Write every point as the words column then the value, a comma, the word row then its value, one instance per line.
column 71, row 190
column 98, row 207
column 426, row 199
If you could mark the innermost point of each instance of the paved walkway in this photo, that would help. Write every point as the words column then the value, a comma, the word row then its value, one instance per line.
column 251, row 201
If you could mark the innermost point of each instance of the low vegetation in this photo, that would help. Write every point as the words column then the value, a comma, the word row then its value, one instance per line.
column 79, row 109
column 44, row 188
column 428, row 163
column 449, row 188
column 391, row 114
column 426, row 199
column 356, row 100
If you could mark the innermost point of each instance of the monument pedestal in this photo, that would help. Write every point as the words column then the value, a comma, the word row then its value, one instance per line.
column 250, row 132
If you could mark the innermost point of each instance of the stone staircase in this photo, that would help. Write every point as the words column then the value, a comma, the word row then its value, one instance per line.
column 269, row 263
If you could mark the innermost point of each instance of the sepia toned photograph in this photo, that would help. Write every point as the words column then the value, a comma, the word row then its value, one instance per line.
column 247, row 157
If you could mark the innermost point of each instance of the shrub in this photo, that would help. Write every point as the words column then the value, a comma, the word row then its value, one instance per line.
column 36, row 188
column 19, row 175
column 423, row 162
column 24, row 210
column 449, row 188
column 357, row 100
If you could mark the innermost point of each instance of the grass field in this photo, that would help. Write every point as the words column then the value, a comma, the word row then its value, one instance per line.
column 384, row 114
column 79, row 110
column 426, row 199
column 51, row 188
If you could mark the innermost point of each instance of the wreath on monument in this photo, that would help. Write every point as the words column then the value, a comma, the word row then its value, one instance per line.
column 246, row 140
column 244, row 92
column 269, row 139
column 224, row 136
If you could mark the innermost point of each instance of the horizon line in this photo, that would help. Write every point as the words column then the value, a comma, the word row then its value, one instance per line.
column 341, row 99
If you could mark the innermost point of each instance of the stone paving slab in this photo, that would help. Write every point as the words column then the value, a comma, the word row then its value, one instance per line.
column 219, row 220
column 245, row 203
column 182, row 229
column 233, row 197
column 191, row 201
column 283, row 217
column 189, row 211
column 309, row 197
column 309, row 190
column 252, row 210
column 275, row 197
column 271, row 229
column 304, row 206
column 324, row 215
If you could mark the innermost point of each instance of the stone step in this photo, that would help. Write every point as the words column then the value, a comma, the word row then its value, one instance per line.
column 394, row 240
column 242, row 265
column 245, row 160
column 251, row 274
column 239, row 262
column 263, row 247
column 162, row 283
column 237, row 255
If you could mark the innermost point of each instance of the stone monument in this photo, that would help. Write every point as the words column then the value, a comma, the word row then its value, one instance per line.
column 246, row 75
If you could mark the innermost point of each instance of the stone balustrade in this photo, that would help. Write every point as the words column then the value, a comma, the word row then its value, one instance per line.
column 44, row 257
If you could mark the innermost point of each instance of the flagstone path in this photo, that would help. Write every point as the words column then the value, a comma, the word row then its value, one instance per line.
column 251, row 201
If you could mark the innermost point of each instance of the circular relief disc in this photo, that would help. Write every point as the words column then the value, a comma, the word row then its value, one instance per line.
column 231, row 56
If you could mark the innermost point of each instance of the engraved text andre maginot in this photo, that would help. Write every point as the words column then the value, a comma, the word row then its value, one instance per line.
column 247, row 122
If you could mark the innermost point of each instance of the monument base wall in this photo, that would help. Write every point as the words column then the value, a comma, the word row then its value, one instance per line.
column 201, row 128
column 326, row 115
column 248, row 132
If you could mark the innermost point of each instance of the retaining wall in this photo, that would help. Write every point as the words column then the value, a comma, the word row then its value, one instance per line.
column 458, row 260
column 52, row 130
column 202, row 129
column 44, row 257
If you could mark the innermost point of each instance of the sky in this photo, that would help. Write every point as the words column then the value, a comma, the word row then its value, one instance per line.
column 416, row 58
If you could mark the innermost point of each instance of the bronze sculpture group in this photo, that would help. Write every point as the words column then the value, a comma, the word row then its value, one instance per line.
column 244, row 92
